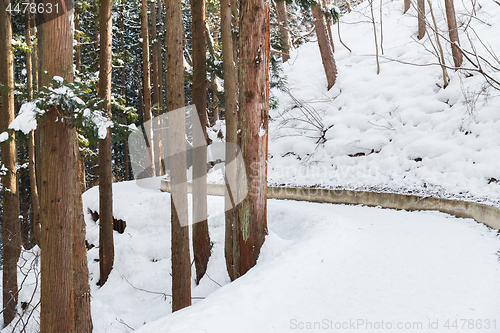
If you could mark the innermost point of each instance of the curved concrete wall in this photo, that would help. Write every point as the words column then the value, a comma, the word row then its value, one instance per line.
column 481, row 213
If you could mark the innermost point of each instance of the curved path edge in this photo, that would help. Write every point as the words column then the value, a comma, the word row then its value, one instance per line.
column 481, row 213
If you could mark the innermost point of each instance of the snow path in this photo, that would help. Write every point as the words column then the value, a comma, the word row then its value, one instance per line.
column 319, row 262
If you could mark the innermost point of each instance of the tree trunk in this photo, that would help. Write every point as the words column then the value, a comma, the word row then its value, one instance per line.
column 146, row 72
column 146, row 67
column 231, row 115
column 29, row 66
column 160, row 62
column 65, row 292
column 23, row 196
column 77, row 37
column 34, row 189
column 407, row 6
column 181, row 265
column 11, row 227
column 325, row 47
column 253, row 116
column 35, row 236
column 106, row 246
column 156, row 90
column 283, row 24
column 453, row 31
column 164, row 58
column 421, row 18
column 201, row 239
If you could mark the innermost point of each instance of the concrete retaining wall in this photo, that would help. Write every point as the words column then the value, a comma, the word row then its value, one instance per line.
column 481, row 213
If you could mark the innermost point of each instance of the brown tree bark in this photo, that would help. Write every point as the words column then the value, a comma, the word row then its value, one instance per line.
column 77, row 37
column 65, row 292
column 106, row 246
column 253, row 115
column 329, row 24
column 283, row 23
column 324, row 46
column 231, row 115
column 181, row 265
column 11, row 226
column 154, row 46
column 201, row 238
column 34, row 189
column 421, row 18
column 146, row 66
column 146, row 72
column 407, row 6
column 164, row 58
column 453, row 31
column 35, row 237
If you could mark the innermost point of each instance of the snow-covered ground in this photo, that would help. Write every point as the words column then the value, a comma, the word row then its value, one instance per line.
column 333, row 266
column 320, row 263
column 403, row 131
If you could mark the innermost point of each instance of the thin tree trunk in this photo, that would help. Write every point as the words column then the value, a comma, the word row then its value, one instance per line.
column 11, row 227
column 253, row 116
column 34, row 189
column 407, row 6
column 160, row 62
column 23, row 196
column 29, row 65
column 126, row 159
column 146, row 72
column 146, row 67
column 164, row 58
column 106, row 246
column 156, row 92
column 65, row 292
column 375, row 37
column 421, row 18
column 283, row 28
column 231, row 115
column 453, row 31
column 324, row 46
column 181, row 265
column 35, row 237
column 329, row 24
column 77, row 37
column 154, row 46
column 201, row 238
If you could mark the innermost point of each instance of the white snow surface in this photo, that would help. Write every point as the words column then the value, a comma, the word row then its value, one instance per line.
column 26, row 119
column 320, row 263
column 4, row 136
column 323, row 265
column 403, row 131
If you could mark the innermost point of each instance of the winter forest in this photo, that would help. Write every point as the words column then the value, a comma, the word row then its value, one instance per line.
column 249, row 166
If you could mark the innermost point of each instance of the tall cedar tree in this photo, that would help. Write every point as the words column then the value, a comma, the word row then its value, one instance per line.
column 453, row 31
column 65, row 292
column 231, row 113
column 106, row 246
column 325, row 46
column 146, row 66
column 253, row 116
column 154, row 47
column 201, row 237
column 181, row 265
column 31, row 137
column 11, row 227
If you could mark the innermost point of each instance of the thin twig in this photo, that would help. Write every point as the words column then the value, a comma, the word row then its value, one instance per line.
column 156, row 292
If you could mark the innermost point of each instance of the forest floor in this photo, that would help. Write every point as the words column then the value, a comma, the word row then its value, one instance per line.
column 328, row 265
column 321, row 263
